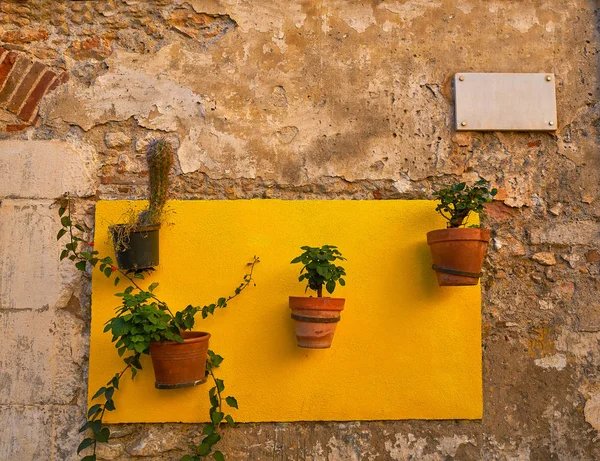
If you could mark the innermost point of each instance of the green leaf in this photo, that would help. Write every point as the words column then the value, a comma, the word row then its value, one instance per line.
column 61, row 211
column 208, row 429
column 152, row 287
column 65, row 221
column 103, row 435
column 117, row 280
column 330, row 286
column 204, row 449
column 217, row 417
column 230, row 421
column 220, row 384
column 89, row 458
column 138, row 275
column 100, row 391
column 212, row 439
column 81, row 265
column 94, row 409
column 231, row 401
column 218, row 456
column 110, row 405
column 108, row 271
column 64, row 254
column 61, row 233
column 84, row 444
column 95, row 426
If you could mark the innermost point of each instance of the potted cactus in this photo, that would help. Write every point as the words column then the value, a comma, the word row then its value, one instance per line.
column 315, row 318
column 458, row 251
column 136, row 244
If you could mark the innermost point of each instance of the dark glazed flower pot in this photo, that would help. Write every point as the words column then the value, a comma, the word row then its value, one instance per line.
column 315, row 320
column 458, row 254
column 141, row 244
column 178, row 365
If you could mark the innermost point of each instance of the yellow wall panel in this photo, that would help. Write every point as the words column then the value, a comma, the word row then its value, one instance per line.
column 404, row 349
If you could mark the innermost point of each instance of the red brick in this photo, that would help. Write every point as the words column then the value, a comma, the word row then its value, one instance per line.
column 2, row 51
column 62, row 78
column 36, row 96
column 17, row 128
column 25, row 87
column 13, row 80
column 6, row 66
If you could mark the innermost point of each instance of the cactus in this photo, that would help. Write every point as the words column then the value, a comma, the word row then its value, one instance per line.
column 159, row 155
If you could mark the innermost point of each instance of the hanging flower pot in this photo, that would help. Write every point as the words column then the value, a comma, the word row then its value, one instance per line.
column 136, row 248
column 315, row 320
column 458, row 254
column 457, row 251
column 179, row 365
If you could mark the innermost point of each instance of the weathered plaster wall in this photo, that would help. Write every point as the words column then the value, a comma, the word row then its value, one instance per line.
column 329, row 99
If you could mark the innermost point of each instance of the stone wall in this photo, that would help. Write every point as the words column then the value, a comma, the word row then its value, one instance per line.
column 331, row 100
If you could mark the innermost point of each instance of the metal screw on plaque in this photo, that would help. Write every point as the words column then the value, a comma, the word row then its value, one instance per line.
column 461, row 78
column 548, row 78
column 465, row 123
column 551, row 123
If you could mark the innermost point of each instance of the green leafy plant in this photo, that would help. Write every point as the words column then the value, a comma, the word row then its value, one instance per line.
column 141, row 319
column 459, row 200
column 319, row 269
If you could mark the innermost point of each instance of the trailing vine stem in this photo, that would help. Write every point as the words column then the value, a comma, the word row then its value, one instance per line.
column 95, row 414
column 164, row 328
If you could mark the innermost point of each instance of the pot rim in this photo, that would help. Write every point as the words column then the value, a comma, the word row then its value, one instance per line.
column 196, row 337
column 312, row 303
column 458, row 234
column 135, row 229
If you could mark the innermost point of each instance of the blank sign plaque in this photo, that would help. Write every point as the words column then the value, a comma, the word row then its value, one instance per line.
column 505, row 102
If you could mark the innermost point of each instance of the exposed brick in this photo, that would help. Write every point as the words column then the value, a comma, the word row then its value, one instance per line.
column 2, row 51
column 17, row 128
column 6, row 66
column 36, row 95
column 62, row 78
column 25, row 87
column 14, row 78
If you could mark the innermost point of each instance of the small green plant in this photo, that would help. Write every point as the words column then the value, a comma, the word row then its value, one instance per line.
column 319, row 269
column 459, row 200
column 141, row 319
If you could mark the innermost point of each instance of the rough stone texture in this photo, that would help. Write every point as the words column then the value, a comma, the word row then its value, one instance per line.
column 47, row 169
column 306, row 100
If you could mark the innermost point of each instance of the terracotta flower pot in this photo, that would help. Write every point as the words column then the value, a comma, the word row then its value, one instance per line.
column 178, row 365
column 315, row 320
column 142, row 247
column 458, row 254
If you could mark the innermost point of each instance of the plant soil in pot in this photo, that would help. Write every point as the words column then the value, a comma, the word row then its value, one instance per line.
column 458, row 254
column 315, row 319
column 137, row 248
column 178, row 365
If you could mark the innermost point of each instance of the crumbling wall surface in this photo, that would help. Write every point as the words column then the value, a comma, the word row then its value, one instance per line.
column 332, row 100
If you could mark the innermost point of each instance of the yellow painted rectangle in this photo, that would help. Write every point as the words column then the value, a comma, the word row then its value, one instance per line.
column 404, row 349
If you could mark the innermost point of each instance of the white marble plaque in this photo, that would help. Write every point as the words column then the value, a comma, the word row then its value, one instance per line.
column 505, row 102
